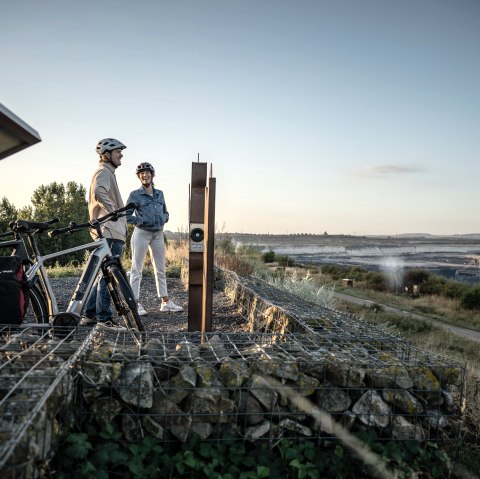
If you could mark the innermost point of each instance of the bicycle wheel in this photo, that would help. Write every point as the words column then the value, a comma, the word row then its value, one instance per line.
column 37, row 311
column 124, row 300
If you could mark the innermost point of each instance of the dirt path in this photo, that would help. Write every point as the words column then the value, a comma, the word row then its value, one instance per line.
column 464, row 332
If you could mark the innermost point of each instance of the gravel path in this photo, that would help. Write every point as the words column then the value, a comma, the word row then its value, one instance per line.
column 225, row 315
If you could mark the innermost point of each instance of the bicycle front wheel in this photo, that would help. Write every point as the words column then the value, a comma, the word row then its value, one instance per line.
column 124, row 300
column 37, row 311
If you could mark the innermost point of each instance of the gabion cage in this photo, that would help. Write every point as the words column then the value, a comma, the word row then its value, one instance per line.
column 37, row 390
column 259, row 387
column 302, row 372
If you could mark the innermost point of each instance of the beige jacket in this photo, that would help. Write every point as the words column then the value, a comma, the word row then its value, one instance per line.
column 104, row 197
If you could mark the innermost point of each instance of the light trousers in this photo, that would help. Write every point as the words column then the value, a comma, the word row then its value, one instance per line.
column 153, row 242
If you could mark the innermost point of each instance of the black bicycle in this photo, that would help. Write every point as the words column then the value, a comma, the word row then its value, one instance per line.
column 36, row 309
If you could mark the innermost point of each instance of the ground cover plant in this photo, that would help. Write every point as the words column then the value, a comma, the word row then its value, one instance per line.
column 109, row 454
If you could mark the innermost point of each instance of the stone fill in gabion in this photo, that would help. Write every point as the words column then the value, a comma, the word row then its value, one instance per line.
column 266, row 387
column 37, row 390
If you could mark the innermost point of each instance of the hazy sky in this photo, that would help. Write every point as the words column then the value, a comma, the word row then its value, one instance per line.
column 353, row 116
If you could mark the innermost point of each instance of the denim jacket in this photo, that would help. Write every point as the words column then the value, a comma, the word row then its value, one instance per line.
column 150, row 211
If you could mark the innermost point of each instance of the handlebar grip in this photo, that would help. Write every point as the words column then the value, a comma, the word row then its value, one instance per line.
column 53, row 233
column 60, row 231
column 130, row 206
column 115, row 213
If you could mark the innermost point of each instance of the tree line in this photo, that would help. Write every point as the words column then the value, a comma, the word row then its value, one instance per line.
column 65, row 202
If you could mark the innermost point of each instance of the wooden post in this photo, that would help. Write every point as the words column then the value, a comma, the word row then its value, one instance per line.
column 208, row 255
column 196, row 242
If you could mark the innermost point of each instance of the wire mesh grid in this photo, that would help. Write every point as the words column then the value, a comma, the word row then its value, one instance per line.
column 37, row 389
column 266, row 308
column 262, row 386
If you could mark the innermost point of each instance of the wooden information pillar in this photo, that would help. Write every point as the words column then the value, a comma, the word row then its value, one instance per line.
column 201, row 254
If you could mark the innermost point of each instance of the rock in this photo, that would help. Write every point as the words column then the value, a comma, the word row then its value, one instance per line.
column 183, row 384
column 263, row 392
column 331, row 399
column 371, row 410
column 248, row 409
column 403, row 400
column 404, row 430
column 256, row 432
column 135, row 384
column 294, row 426
column 233, row 373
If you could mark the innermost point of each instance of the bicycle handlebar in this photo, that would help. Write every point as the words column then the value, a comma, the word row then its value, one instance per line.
column 24, row 226
column 73, row 226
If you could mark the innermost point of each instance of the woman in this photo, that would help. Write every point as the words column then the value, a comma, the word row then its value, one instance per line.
column 150, row 216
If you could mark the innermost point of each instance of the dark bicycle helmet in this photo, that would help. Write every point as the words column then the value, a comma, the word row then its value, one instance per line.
column 145, row 167
column 108, row 144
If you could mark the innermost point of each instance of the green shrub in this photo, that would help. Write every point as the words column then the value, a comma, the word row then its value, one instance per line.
column 268, row 257
column 376, row 281
column 335, row 271
column 415, row 277
column 434, row 284
column 471, row 299
column 455, row 290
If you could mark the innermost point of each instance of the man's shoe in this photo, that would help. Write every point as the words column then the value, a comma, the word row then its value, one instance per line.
column 86, row 321
column 170, row 306
column 110, row 325
column 141, row 310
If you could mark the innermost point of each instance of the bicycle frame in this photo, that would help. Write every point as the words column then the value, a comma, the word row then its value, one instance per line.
column 100, row 253
column 16, row 245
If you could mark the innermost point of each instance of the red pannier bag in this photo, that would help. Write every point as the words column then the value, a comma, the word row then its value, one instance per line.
column 13, row 290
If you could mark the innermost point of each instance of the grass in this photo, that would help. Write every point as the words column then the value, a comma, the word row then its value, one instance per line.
column 432, row 306
column 176, row 255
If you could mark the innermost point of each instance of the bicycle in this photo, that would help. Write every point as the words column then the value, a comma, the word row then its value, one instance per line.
column 100, row 260
column 36, row 310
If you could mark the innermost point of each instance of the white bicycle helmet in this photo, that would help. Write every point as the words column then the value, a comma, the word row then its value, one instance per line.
column 108, row 144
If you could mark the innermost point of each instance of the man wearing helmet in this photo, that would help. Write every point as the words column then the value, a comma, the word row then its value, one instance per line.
column 104, row 197
column 149, row 217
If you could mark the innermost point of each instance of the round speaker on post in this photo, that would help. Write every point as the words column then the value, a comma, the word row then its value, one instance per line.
column 197, row 235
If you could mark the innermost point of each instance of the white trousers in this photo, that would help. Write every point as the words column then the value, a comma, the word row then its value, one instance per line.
column 153, row 242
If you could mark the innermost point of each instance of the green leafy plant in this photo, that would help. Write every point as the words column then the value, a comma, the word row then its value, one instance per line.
column 110, row 455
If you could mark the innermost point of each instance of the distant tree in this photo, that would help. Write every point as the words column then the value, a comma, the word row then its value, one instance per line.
column 67, row 204
column 8, row 212
column 25, row 213
column 268, row 256
column 471, row 300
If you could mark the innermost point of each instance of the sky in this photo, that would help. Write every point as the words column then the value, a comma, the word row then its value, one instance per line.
column 347, row 117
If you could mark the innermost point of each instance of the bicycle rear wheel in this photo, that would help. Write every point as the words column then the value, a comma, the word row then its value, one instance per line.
column 37, row 311
column 124, row 300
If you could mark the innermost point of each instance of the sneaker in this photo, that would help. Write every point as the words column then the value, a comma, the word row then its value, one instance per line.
column 110, row 325
column 141, row 310
column 170, row 306
column 86, row 321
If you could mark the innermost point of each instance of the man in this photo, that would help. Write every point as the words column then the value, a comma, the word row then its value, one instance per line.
column 104, row 197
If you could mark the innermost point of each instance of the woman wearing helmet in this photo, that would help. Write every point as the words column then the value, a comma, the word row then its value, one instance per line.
column 149, row 217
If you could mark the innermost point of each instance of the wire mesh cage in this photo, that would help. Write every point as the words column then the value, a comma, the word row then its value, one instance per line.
column 266, row 387
column 37, row 391
column 302, row 372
